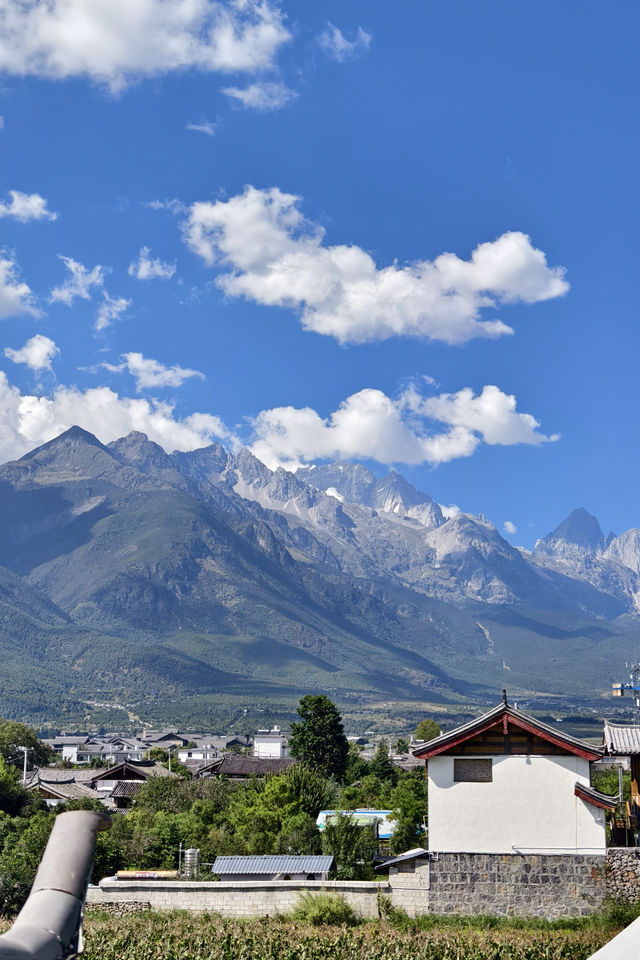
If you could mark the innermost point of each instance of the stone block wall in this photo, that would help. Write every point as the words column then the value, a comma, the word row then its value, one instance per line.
column 514, row 884
column 231, row 899
column 622, row 873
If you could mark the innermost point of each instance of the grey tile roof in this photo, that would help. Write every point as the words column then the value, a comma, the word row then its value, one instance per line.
column 594, row 796
column 440, row 743
column 70, row 791
column 272, row 864
column 126, row 788
column 232, row 765
column 621, row 739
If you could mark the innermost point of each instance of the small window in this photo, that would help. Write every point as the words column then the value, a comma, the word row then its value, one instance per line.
column 472, row 771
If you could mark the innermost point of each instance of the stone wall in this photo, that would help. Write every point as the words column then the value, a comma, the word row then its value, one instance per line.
column 622, row 874
column 509, row 884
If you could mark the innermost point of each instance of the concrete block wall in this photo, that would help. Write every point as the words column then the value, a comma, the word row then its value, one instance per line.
column 232, row 899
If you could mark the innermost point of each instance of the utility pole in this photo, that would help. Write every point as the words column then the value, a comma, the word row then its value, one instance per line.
column 24, row 750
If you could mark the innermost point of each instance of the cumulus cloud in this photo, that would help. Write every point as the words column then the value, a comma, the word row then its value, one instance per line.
column 27, row 421
column 78, row 283
column 509, row 527
column 274, row 257
column 151, row 373
column 208, row 127
column 449, row 510
column 369, row 425
column 262, row 96
column 341, row 49
column 26, row 206
column 110, row 309
column 144, row 268
column 116, row 41
column 37, row 353
column 16, row 297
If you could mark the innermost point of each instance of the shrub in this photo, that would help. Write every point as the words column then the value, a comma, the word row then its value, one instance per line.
column 324, row 908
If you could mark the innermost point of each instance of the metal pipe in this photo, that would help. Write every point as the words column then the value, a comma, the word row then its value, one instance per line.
column 49, row 925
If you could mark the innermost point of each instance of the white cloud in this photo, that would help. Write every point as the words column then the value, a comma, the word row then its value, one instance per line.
column 369, row 425
column 26, row 206
column 1, row 123
column 341, row 49
column 509, row 527
column 144, row 268
column 27, row 421
column 208, row 127
column 110, row 310
column 491, row 414
column 78, row 283
column 37, row 353
column 262, row 96
column 116, row 41
column 450, row 510
column 277, row 258
column 150, row 373
column 16, row 297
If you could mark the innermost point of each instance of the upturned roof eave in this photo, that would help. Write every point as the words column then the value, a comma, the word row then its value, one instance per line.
column 515, row 718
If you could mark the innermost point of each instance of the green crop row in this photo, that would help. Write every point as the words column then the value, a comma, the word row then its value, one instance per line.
column 179, row 936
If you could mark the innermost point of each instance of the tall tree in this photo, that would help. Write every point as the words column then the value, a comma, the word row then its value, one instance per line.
column 14, row 735
column 427, row 729
column 319, row 740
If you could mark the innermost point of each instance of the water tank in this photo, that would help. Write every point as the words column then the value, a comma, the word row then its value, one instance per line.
column 191, row 863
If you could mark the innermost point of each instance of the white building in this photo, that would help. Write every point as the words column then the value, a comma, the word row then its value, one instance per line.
column 270, row 743
column 507, row 783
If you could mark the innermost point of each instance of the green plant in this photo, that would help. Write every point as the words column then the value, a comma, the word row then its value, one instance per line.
column 319, row 909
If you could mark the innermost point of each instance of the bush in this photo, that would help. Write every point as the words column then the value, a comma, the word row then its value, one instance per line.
column 324, row 908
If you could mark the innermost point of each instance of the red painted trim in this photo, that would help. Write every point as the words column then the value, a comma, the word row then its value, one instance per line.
column 517, row 722
column 583, row 795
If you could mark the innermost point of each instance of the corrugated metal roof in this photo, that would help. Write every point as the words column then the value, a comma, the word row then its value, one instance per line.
column 409, row 855
column 272, row 864
column 621, row 739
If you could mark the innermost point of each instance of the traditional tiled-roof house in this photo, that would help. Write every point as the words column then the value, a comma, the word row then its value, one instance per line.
column 507, row 783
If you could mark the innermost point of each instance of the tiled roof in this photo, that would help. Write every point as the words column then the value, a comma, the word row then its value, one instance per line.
column 241, row 766
column 272, row 864
column 621, row 739
column 70, row 791
column 509, row 715
column 62, row 775
column 602, row 800
column 126, row 788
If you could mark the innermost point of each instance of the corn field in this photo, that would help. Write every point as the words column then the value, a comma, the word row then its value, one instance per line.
column 156, row 936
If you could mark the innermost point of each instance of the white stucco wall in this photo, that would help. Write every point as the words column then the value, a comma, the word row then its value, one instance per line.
column 530, row 806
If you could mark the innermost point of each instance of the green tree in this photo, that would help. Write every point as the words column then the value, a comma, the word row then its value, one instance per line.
column 13, row 796
column 14, row 735
column 319, row 740
column 352, row 847
column 401, row 746
column 427, row 729
column 381, row 766
column 409, row 805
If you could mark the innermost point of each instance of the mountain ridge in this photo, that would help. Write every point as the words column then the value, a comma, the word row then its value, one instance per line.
column 329, row 579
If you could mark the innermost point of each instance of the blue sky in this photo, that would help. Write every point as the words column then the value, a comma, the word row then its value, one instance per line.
column 401, row 234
